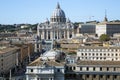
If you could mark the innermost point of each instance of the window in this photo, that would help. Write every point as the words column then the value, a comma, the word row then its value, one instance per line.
column 58, row 70
column 112, row 54
column 97, row 58
column 82, row 54
column 70, row 68
column 1, row 59
column 93, row 68
column 51, row 79
column 115, row 76
column 96, row 54
column 108, row 76
column 80, row 68
column 31, row 70
column 38, row 78
column 114, row 68
column 94, row 76
column 80, row 76
column 2, row 64
column 104, row 58
column 107, row 69
column 73, row 68
column 100, row 68
column 87, row 69
column 74, row 75
column 101, row 76
column 87, row 76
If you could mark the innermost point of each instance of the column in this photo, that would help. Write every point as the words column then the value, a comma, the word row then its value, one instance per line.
column 104, row 77
column 68, row 34
column 91, row 77
column 51, row 35
column 98, row 77
column 60, row 34
column 65, row 34
column 46, row 35
column 57, row 34
column 40, row 47
column 43, row 35
column 35, row 49
column 73, row 33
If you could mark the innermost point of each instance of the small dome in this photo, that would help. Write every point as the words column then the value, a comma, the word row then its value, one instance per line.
column 58, row 12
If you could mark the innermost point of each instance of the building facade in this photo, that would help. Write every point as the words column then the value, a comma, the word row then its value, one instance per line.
column 109, row 28
column 45, row 70
column 87, row 28
column 93, row 70
column 8, row 59
column 57, row 28
column 98, row 53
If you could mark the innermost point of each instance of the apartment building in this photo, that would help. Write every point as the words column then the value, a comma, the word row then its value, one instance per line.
column 8, row 59
column 93, row 70
column 98, row 53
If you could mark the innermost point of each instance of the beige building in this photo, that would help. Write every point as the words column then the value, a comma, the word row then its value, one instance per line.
column 93, row 70
column 98, row 53
column 8, row 58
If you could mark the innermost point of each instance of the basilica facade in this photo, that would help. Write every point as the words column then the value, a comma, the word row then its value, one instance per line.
column 57, row 28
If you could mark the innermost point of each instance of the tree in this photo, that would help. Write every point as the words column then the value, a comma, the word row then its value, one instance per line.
column 104, row 37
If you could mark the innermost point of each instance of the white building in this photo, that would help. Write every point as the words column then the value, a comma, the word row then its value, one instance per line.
column 57, row 28
column 51, row 55
column 98, row 53
column 46, row 67
column 100, row 29
column 105, row 27
column 45, row 70
column 109, row 28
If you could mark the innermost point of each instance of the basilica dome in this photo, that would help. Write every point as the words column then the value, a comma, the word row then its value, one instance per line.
column 58, row 15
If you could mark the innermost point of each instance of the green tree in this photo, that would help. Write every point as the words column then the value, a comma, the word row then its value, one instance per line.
column 104, row 37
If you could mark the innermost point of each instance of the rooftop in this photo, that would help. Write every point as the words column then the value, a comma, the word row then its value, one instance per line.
column 97, row 47
column 39, row 62
column 8, row 49
column 99, row 63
